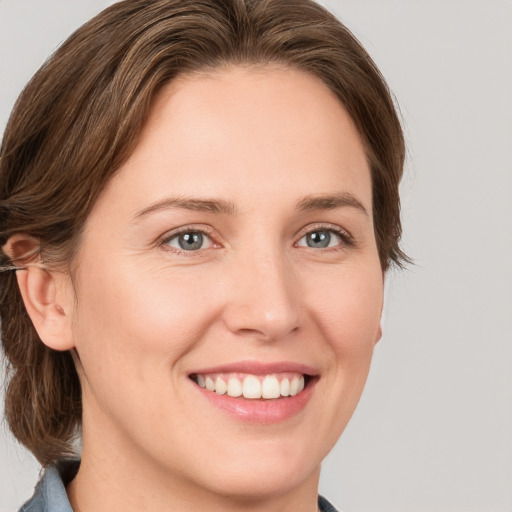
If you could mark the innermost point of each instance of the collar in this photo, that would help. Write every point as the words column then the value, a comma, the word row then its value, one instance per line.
column 50, row 493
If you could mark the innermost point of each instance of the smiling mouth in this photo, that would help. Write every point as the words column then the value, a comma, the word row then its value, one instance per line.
column 250, row 386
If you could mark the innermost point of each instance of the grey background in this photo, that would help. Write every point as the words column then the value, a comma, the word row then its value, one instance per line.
column 433, row 431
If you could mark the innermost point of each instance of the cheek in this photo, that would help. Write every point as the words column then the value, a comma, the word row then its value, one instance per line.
column 132, row 333
column 139, row 315
column 347, row 306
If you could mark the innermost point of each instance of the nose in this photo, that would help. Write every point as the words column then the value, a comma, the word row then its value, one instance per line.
column 264, row 300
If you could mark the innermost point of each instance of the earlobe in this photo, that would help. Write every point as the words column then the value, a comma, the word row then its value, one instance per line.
column 379, row 334
column 42, row 293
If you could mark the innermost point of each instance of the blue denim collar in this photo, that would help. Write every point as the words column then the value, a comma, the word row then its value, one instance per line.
column 50, row 493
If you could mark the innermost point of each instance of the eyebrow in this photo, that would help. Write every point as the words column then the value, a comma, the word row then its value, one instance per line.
column 330, row 202
column 307, row 203
column 189, row 203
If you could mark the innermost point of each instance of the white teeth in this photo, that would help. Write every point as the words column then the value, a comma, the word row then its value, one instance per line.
column 220, row 386
column 251, row 387
column 234, row 387
column 294, row 386
column 301, row 383
column 285, row 387
column 270, row 387
column 210, row 385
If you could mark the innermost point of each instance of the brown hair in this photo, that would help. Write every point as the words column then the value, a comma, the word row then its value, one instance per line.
column 79, row 117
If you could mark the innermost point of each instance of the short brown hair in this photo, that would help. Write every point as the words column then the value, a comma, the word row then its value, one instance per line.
column 79, row 117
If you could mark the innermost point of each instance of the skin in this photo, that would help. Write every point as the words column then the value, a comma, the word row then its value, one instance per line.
column 142, row 314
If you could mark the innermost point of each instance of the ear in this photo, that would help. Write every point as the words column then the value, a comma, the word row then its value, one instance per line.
column 379, row 334
column 46, row 293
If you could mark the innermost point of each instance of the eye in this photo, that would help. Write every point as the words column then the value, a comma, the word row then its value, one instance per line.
column 321, row 239
column 189, row 241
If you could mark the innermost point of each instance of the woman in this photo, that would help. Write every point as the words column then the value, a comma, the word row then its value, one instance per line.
column 199, row 202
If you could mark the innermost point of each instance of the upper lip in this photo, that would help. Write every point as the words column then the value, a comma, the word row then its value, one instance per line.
column 259, row 368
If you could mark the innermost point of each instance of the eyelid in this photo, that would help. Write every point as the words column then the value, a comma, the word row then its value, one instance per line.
column 346, row 237
column 208, row 231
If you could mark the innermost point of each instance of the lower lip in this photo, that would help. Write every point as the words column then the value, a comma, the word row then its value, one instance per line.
column 261, row 411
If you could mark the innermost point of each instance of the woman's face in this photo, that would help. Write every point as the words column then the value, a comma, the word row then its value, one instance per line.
column 234, row 248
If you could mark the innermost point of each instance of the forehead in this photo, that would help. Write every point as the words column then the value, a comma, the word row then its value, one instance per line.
column 238, row 129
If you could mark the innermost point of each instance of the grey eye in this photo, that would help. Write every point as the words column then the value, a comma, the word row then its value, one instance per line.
column 189, row 241
column 320, row 239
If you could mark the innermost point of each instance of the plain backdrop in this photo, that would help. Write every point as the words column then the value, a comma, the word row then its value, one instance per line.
column 433, row 431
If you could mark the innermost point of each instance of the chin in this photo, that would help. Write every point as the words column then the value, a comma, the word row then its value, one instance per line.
column 261, row 469
column 257, row 481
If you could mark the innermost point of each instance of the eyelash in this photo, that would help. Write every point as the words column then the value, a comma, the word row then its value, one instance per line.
column 347, row 240
column 164, row 241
